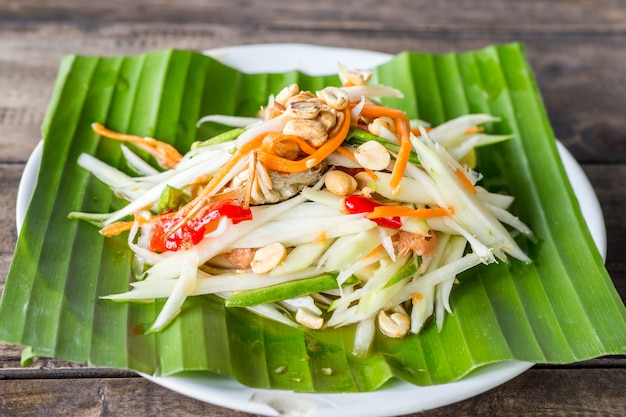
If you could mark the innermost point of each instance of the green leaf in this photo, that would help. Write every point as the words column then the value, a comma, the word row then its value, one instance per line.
column 561, row 308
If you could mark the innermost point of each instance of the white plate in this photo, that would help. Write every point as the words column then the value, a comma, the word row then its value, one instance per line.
column 397, row 398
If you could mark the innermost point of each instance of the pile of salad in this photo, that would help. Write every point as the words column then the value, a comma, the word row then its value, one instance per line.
column 327, row 210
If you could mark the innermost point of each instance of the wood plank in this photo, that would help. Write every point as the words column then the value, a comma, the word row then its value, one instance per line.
column 585, row 100
column 563, row 392
column 98, row 397
column 401, row 16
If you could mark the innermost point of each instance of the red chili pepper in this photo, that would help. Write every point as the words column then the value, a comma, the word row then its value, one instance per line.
column 192, row 232
column 359, row 204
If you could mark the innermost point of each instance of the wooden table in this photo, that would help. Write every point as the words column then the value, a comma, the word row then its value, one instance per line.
column 577, row 50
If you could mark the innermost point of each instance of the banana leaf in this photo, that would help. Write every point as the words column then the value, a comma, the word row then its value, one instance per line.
column 561, row 308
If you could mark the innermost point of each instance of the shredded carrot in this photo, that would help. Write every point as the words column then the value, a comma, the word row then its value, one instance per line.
column 418, row 132
column 374, row 251
column 465, row 181
column 346, row 152
column 474, row 129
column 396, row 210
column 371, row 174
column 204, row 178
column 165, row 153
column 371, row 112
column 403, row 155
column 116, row 228
column 277, row 163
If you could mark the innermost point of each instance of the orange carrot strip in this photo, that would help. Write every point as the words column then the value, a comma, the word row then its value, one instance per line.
column 422, row 213
column 371, row 174
column 116, row 228
column 374, row 251
column 277, row 163
column 202, row 179
column 346, row 152
column 403, row 155
column 246, row 148
column 370, row 111
column 474, row 129
column 465, row 181
column 418, row 132
column 165, row 153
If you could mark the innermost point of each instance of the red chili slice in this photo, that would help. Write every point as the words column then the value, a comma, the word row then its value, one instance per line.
column 192, row 232
column 359, row 204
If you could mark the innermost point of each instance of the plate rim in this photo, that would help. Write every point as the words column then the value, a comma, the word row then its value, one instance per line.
column 407, row 398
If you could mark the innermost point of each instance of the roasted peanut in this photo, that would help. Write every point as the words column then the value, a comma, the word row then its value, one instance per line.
column 339, row 122
column 385, row 122
column 286, row 93
column 372, row 155
column 327, row 118
column 287, row 149
column 363, row 179
column 340, row 183
column 268, row 257
column 308, row 319
column 305, row 109
column 354, row 76
column 395, row 325
column 301, row 96
column 334, row 97
column 310, row 130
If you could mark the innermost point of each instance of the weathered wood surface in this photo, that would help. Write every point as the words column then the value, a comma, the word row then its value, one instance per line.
column 577, row 50
column 523, row 396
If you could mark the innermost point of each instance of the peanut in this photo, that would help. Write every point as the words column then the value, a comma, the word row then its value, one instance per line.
column 340, row 183
column 334, row 97
column 310, row 130
column 372, row 155
column 395, row 325
column 268, row 257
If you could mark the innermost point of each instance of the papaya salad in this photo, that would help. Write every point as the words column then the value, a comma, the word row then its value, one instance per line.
column 329, row 209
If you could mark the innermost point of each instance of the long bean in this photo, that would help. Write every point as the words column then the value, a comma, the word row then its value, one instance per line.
column 285, row 291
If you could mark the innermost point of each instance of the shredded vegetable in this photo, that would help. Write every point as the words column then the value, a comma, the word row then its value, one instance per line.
column 381, row 245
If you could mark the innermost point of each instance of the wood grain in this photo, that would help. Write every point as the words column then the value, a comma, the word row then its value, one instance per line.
column 447, row 16
column 538, row 392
